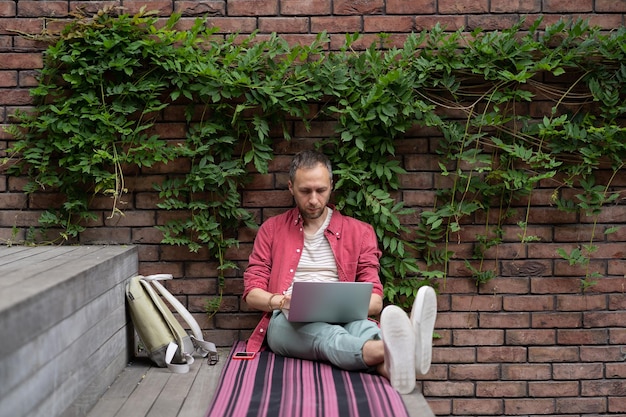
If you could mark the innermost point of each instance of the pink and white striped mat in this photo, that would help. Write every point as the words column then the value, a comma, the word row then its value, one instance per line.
column 274, row 386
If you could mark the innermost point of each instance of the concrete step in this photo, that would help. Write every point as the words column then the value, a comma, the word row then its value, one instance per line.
column 63, row 326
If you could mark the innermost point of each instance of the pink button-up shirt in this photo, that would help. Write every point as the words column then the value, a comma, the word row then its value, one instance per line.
column 278, row 247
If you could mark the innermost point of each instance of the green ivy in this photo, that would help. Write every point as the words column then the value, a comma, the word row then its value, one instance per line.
column 108, row 80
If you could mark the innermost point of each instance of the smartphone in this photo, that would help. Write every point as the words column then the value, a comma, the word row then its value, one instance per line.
column 244, row 355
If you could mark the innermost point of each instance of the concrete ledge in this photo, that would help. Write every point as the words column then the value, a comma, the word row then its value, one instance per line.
column 62, row 325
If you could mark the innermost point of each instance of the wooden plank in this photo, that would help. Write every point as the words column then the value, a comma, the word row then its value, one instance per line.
column 122, row 388
column 143, row 397
column 204, row 386
column 174, row 393
column 48, row 345
column 94, row 390
column 9, row 254
column 62, row 380
column 36, row 263
column 28, row 310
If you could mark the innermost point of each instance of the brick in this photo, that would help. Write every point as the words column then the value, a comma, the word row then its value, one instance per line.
column 7, row 8
column 528, row 406
column 363, row 7
column 284, row 24
column 253, row 7
column 140, row 218
column 26, row 8
column 146, row 235
column 449, row 23
column 305, row 7
column 19, row 218
column 419, row 198
column 617, row 336
column 191, row 286
column 529, row 372
column 602, row 388
column 604, row 319
column 18, row 97
column 13, row 201
column 568, row 302
column 448, row 389
column 379, row 24
column 232, row 25
column 617, row 405
column 476, row 303
column 474, row 372
column 601, row 353
column 163, row 7
column 147, row 253
column 454, row 355
column 506, row 285
column 528, row 303
column 525, row 268
column 468, row 406
column 580, row 405
column 582, row 337
column 463, row 6
column 610, row 6
column 610, row 285
column 555, row 285
column 567, row 6
column 515, row 6
column 477, row 337
column 527, row 337
column 515, row 320
column 553, row 354
column 556, row 320
column 411, row 7
column 577, row 371
column 28, row 79
column 495, row 354
column 500, row 389
column 105, row 236
column 457, row 320
column 8, row 79
column 236, row 321
column 332, row 24
column 491, row 22
column 201, row 8
column 149, row 268
column 92, row 7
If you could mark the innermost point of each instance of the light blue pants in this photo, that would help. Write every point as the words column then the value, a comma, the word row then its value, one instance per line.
column 341, row 345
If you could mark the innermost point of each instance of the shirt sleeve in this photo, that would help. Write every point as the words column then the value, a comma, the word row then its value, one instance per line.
column 368, row 267
column 257, row 274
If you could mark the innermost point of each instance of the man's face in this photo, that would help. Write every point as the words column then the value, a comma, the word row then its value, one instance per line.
column 311, row 190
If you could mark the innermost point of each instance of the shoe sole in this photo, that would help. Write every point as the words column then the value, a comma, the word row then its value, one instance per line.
column 399, row 341
column 423, row 316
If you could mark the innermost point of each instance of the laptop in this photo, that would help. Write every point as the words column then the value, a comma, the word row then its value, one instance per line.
column 329, row 302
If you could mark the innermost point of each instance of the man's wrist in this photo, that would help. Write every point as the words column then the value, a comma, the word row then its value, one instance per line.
column 269, row 302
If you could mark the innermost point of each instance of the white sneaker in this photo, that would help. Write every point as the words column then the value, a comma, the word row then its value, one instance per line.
column 399, row 342
column 423, row 316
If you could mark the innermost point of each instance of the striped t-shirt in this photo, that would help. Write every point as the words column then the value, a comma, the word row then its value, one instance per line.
column 317, row 262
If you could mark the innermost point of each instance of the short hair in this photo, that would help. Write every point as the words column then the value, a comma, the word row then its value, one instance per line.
column 309, row 159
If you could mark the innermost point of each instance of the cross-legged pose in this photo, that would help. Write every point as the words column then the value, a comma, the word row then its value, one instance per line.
column 314, row 242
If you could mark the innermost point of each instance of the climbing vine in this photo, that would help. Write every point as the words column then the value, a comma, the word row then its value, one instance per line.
column 109, row 79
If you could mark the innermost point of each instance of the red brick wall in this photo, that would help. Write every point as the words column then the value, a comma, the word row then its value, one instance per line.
column 528, row 342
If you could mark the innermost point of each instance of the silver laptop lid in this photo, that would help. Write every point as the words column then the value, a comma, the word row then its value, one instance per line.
column 330, row 302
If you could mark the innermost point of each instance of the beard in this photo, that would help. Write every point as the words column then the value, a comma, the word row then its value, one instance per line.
column 311, row 214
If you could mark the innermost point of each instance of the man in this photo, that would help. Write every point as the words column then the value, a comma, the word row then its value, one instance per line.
column 315, row 242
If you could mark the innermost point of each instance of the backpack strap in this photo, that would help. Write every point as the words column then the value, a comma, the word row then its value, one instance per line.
column 203, row 348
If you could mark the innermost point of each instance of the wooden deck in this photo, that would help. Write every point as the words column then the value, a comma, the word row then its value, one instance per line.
column 143, row 390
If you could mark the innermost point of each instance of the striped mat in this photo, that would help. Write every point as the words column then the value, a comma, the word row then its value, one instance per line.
column 275, row 386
